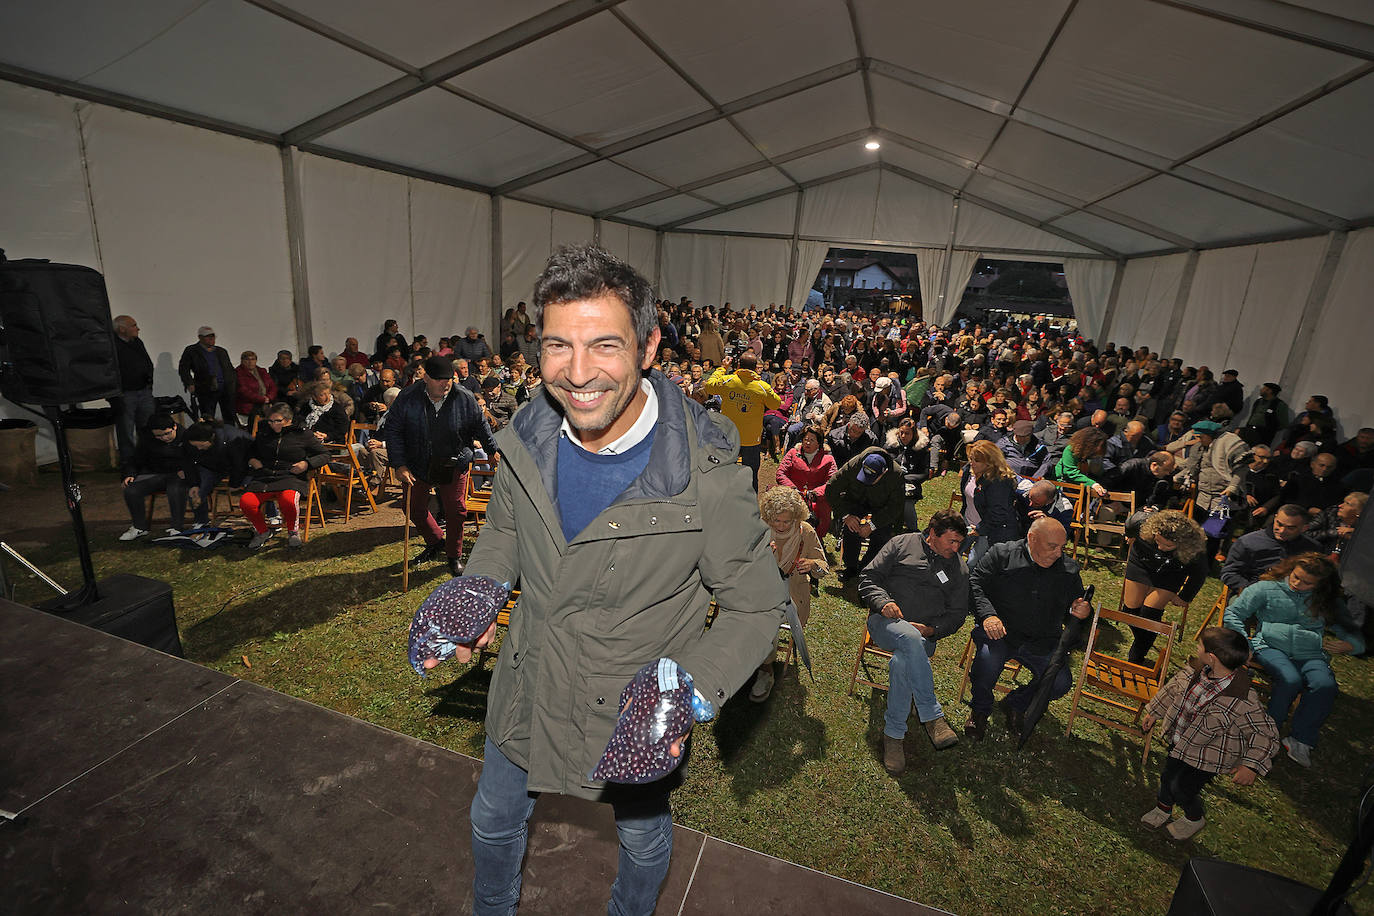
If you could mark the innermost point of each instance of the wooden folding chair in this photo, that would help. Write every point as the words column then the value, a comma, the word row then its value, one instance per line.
column 343, row 475
column 1012, row 667
column 384, row 479
column 224, row 500
column 1092, row 526
column 502, row 623
column 1118, row 683
column 867, row 647
column 478, row 496
column 313, row 506
column 1214, row 616
column 1077, row 494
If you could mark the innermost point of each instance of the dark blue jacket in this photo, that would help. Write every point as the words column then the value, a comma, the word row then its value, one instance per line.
column 413, row 427
column 995, row 502
column 227, row 455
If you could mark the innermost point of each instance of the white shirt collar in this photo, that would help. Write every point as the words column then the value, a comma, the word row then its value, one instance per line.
column 635, row 434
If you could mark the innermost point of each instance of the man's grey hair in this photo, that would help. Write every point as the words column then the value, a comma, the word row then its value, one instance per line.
column 577, row 272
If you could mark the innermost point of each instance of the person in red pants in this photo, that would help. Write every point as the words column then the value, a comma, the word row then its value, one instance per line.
column 430, row 431
column 280, row 458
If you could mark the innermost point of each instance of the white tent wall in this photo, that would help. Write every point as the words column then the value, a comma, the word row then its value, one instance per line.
column 909, row 213
column 526, row 240
column 192, row 231
column 1145, row 302
column 633, row 245
column 930, row 269
column 1244, row 307
column 841, row 210
column 755, row 272
column 693, row 266
column 450, row 260
column 1337, row 361
column 357, row 251
column 1090, row 284
column 810, row 257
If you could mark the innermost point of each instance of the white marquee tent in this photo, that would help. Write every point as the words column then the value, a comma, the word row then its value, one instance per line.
column 293, row 171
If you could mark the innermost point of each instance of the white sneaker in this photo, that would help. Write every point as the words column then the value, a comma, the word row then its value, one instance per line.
column 134, row 533
column 1299, row 753
column 1185, row 829
column 273, row 521
column 763, row 685
column 1156, row 817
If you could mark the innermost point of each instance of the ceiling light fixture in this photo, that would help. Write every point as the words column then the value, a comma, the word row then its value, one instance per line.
column 872, row 144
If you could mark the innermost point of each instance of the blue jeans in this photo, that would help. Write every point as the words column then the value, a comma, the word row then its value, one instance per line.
column 1311, row 678
column 987, row 668
column 909, row 676
column 500, row 816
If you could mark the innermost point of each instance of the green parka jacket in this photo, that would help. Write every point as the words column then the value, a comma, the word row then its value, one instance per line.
column 634, row 586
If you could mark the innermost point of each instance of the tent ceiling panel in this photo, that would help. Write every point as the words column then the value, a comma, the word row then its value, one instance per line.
column 1198, row 213
column 934, row 38
column 419, row 31
column 597, row 97
column 842, row 209
column 1058, row 164
column 1173, row 81
column 1317, row 154
column 93, row 35
column 938, row 121
column 829, row 162
column 594, row 187
column 437, row 131
column 233, row 61
column 980, row 227
column 938, row 170
column 668, row 210
column 726, row 62
column 833, row 108
column 1113, row 235
column 911, row 214
column 1012, row 197
column 733, row 190
column 774, row 217
column 709, row 150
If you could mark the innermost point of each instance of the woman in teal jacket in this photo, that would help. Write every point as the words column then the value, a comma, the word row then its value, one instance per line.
column 1295, row 605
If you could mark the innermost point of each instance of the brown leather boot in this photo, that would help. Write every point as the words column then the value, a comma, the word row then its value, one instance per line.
column 894, row 757
column 941, row 735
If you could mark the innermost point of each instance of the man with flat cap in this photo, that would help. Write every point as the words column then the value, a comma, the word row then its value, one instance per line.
column 430, row 429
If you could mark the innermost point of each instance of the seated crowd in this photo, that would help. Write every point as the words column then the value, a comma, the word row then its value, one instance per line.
column 859, row 411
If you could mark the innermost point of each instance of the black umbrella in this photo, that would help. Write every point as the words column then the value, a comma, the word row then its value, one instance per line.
column 1044, row 684
column 798, row 640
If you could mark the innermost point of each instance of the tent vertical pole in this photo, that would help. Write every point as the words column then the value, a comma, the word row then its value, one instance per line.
column 497, row 265
column 295, row 243
column 792, row 262
column 1105, row 334
column 1312, row 309
column 596, row 231
column 1185, row 287
column 948, row 256
column 658, row 263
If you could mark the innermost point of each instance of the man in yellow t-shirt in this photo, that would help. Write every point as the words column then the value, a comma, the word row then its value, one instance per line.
column 744, row 397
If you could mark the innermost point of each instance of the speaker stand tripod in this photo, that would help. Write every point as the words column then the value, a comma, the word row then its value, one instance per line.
column 88, row 592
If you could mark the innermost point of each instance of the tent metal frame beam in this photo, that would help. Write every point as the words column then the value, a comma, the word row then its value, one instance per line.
column 503, row 42
column 1320, row 30
column 879, row 245
column 802, row 153
column 682, row 125
column 1154, row 163
column 772, row 195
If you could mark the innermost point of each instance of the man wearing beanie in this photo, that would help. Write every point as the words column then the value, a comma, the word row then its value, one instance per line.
column 430, row 429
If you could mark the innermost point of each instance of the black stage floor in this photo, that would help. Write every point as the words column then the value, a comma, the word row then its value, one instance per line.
column 148, row 784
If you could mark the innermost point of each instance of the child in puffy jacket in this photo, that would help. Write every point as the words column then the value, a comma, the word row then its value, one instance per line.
column 1212, row 723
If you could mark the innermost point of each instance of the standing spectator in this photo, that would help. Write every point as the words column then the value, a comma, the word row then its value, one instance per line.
column 430, row 430
column 1268, row 416
column 283, row 370
column 206, row 372
column 988, row 488
column 158, row 465
column 391, row 336
column 1167, row 565
column 743, row 398
column 528, row 342
column 255, row 387
column 135, row 405
column 807, row 468
column 867, row 496
column 472, row 346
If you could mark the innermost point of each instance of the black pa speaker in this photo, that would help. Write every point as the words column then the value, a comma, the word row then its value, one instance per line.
column 57, row 345
column 131, row 607
column 1211, row 887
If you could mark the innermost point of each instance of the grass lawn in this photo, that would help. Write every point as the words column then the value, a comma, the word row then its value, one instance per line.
column 980, row 828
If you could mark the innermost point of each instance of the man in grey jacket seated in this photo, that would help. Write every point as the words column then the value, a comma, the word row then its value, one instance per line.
column 917, row 591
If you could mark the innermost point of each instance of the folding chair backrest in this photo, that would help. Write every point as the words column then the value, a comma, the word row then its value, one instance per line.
column 1130, row 671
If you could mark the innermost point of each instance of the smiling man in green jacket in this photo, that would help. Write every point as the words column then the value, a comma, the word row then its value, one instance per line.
column 620, row 509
